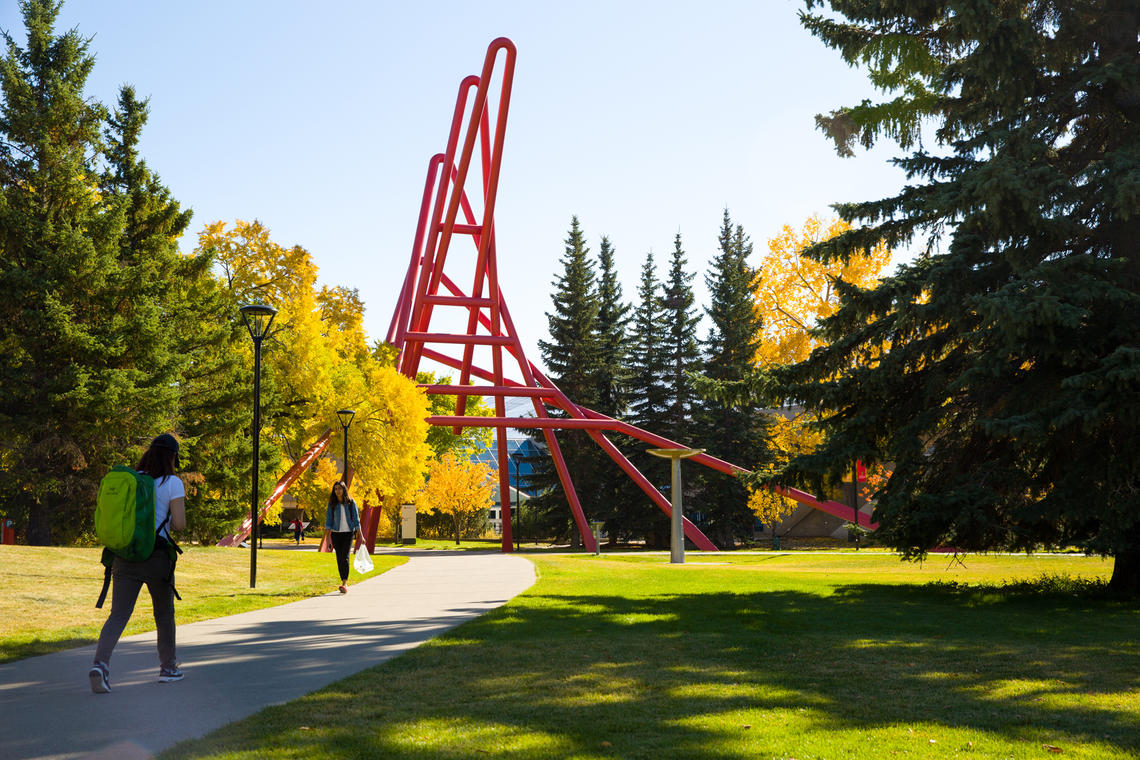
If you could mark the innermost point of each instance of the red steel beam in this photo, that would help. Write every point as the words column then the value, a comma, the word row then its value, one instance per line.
column 427, row 337
column 291, row 475
column 487, row 390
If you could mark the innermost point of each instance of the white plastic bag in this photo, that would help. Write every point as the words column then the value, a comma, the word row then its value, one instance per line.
column 362, row 562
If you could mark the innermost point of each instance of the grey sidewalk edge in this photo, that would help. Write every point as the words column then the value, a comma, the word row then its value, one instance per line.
column 238, row 665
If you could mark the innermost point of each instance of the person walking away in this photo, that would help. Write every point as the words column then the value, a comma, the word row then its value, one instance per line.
column 297, row 528
column 157, row 571
column 343, row 522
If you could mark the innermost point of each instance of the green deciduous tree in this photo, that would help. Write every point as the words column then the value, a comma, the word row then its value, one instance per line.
column 1000, row 371
column 443, row 439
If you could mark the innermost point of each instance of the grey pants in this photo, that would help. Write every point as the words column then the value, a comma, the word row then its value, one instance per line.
column 127, row 580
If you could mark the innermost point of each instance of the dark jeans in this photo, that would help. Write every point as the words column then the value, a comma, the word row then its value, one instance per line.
column 127, row 580
column 342, row 545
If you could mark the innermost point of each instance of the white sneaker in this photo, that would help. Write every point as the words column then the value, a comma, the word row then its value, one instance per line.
column 167, row 675
column 100, row 678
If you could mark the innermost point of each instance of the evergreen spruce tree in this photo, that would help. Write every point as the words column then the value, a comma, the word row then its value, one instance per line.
column 151, row 272
column 64, row 379
column 682, row 351
column 649, row 402
column 572, row 357
column 648, row 363
column 200, row 342
column 998, row 374
column 611, row 394
column 731, row 431
column 612, row 489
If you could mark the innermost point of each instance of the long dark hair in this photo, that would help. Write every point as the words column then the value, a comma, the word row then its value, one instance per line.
column 157, row 461
column 332, row 496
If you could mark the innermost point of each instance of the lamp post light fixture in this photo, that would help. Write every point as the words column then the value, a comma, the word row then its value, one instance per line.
column 677, row 537
column 258, row 317
column 345, row 416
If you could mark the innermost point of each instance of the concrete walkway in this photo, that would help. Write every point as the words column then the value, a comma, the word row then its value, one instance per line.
column 238, row 665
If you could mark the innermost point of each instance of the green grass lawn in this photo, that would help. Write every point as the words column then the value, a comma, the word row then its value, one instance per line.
column 48, row 603
column 837, row 656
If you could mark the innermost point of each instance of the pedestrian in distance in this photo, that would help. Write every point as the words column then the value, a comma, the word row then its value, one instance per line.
column 298, row 530
column 342, row 522
column 156, row 572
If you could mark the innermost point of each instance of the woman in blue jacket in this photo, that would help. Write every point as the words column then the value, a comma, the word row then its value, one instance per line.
column 343, row 522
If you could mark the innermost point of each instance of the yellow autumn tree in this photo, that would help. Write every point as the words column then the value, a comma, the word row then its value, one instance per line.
column 793, row 294
column 388, row 446
column 312, row 490
column 458, row 488
column 319, row 361
column 297, row 362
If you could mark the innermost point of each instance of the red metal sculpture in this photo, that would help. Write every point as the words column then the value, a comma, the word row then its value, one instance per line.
column 489, row 325
column 294, row 472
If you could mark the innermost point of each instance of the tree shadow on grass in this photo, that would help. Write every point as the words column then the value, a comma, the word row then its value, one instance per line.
column 668, row 675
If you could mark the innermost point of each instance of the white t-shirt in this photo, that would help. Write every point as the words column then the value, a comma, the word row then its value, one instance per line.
column 340, row 519
column 166, row 490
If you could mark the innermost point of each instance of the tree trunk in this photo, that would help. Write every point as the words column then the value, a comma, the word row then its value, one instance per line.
column 39, row 524
column 1126, row 573
column 455, row 524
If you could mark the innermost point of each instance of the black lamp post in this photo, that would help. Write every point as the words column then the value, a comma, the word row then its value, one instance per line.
column 345, row 416
column 257, row 318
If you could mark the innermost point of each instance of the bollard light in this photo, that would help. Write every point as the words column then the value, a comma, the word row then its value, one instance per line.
column 677, row 539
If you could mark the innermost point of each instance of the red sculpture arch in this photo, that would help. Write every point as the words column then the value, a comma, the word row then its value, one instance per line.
column 488, row 320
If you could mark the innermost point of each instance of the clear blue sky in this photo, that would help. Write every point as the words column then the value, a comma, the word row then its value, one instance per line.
column 643, row 118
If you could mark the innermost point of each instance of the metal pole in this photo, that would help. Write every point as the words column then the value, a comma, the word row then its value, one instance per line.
column 253, row 531
column 345, row 455
column 677, row 540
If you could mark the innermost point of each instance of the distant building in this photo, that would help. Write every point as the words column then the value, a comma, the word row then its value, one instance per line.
column 521, row 454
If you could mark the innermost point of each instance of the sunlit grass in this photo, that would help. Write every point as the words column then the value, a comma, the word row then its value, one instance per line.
column 48, row 603
column 841, row 656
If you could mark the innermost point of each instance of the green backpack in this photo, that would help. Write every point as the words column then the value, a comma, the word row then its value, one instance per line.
column 124, row 521
column 124, row 513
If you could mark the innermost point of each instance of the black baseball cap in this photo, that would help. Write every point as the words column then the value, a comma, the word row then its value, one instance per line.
column 168, row 442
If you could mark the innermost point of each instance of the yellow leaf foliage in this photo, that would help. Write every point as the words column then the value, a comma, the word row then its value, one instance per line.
column 457, row 487
column 319, row 359
column 790, row 438
column 795, row 292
